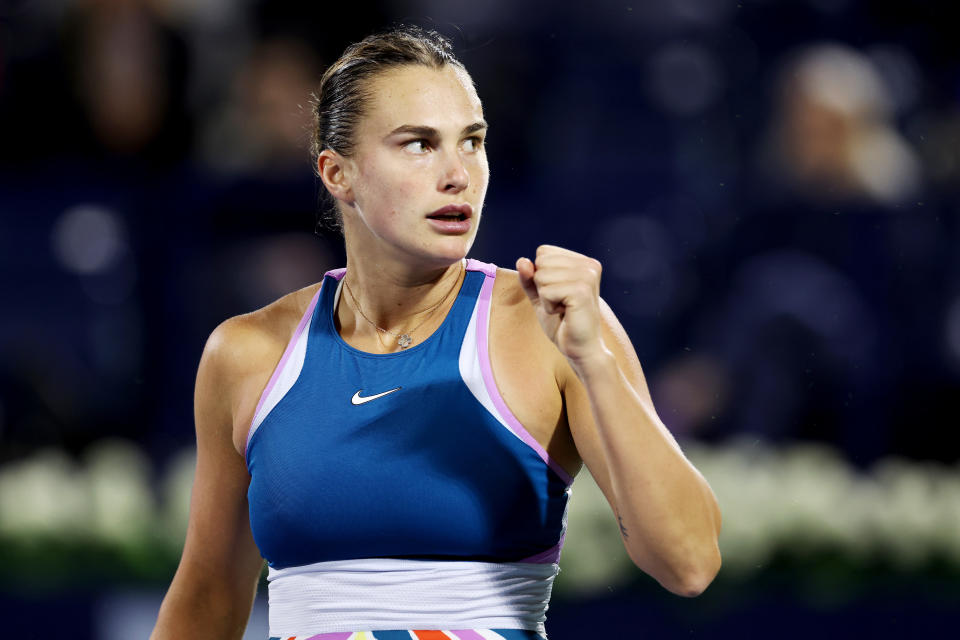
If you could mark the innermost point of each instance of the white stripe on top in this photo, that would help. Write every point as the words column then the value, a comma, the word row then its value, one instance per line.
column 472, row 373
column 396, row 593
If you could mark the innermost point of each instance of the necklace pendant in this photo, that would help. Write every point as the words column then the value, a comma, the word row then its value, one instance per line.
column 404, row 341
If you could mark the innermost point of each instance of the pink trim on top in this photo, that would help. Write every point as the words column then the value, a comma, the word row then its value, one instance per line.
column 483, row 315
column 336, row 274
column 486, row 267
column 283, row 361
column 550, row 555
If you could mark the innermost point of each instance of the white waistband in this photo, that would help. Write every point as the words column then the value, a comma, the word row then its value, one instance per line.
column 392, row 593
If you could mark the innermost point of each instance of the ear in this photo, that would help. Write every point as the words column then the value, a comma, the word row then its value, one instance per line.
column 334, row 170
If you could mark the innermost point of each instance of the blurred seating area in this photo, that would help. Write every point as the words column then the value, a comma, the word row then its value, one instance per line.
column 773, row 189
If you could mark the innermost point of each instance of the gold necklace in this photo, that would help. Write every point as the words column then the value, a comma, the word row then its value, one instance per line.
column 403, row 339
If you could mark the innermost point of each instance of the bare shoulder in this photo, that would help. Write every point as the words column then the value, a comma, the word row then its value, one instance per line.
column 509, row 298
column 518, row 324
column 240, row 342
column 239, row 358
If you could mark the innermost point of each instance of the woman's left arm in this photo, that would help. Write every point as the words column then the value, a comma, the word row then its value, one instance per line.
column 668, row 516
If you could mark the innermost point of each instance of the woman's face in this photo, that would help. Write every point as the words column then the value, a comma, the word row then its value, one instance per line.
column 419, row 148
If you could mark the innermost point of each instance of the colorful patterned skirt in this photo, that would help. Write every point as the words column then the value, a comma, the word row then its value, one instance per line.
column 460, row 634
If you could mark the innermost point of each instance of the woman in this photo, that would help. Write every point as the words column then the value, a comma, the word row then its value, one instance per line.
column 398, row 441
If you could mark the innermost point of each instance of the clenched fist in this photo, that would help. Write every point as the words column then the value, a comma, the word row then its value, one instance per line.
column 564, row 288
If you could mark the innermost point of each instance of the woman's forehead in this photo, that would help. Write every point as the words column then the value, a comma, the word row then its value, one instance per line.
column 421, row 95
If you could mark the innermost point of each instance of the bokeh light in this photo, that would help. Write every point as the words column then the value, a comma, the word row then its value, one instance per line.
column 88, row 239
column 638, row 254
column 684, row 78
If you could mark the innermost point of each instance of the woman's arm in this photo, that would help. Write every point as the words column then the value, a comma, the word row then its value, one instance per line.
column 668, row 516
column 214, row 586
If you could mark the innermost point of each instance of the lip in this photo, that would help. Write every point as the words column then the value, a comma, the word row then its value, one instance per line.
column 465, row 209
column 451, row 227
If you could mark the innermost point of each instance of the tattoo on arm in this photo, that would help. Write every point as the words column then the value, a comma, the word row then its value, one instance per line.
column 623, row 529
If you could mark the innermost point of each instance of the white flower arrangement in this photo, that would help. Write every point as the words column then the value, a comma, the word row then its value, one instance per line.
column 800, row 501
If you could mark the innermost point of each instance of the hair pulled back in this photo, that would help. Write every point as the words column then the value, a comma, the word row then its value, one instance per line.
column 340, row 101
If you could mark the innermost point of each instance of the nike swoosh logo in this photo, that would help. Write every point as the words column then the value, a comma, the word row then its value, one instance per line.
column 357, row 399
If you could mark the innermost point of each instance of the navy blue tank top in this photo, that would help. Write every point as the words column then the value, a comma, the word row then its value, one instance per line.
column 410, row 454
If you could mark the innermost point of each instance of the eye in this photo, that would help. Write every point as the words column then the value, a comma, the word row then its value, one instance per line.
column 473, row 143
column 419, row 146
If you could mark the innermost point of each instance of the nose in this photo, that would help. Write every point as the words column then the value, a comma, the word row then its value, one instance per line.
column 455, row 177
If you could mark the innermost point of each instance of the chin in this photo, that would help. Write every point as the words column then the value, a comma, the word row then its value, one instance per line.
column 451, row 249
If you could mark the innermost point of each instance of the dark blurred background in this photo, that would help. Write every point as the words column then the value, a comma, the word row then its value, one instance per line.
column 771, row 186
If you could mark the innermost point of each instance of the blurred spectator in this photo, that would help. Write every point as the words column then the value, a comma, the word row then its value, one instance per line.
column 264, row 125
column 832, row 139
column 128, row 73
column 834, row 308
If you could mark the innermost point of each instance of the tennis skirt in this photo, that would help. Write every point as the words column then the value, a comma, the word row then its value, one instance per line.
column 461, row 634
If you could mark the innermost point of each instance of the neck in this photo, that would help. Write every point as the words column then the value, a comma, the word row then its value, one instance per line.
column 397, row 290
column 396, row 297
column 390, row 284
column 390, row 298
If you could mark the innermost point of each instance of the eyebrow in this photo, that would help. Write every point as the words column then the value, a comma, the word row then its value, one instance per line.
column 430, row 132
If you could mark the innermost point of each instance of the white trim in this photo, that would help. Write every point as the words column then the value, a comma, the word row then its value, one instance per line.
column 336, row 294
column 397, row 593
column 285, row 381
column 472, row 374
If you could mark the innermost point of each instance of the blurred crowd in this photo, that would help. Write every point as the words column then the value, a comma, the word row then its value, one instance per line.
column 772, row 188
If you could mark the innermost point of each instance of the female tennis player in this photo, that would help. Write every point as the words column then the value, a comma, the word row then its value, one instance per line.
column 398, row 441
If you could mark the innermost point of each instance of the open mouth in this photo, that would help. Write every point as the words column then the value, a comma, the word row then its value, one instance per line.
column 449, row 217
column 452, row 213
